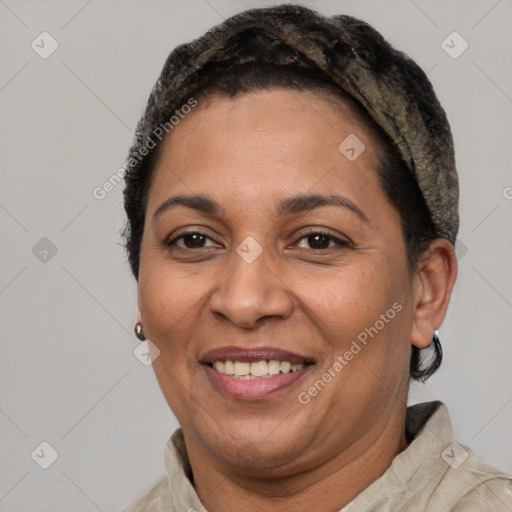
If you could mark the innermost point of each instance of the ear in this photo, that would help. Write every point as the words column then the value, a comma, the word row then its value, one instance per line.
column 138, row 314
column 433, row 284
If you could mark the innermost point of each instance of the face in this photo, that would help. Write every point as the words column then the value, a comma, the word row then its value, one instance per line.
column 289, row 266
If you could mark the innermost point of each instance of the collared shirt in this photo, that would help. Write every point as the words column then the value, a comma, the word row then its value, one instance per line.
column 433, row 474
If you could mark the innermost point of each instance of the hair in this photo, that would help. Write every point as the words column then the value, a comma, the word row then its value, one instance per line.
column 225, row 79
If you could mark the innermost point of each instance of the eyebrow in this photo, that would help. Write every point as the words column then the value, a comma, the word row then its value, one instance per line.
column 289, row 206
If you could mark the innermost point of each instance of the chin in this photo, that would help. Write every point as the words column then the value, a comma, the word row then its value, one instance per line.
column 254, row 446
column 250, row 457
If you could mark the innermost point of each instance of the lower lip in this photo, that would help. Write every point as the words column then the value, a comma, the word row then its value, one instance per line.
column 253, row 389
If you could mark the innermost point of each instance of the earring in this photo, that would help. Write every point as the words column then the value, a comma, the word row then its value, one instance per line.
column 437, row 343
column 139, row 332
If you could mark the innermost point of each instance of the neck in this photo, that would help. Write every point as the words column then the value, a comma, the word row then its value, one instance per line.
column 327, row 487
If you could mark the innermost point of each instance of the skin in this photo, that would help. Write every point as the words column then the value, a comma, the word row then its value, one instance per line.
column 313, row 298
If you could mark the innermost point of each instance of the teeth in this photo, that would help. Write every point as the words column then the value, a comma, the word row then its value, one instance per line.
column 273, row 367
column 242, row 368
column 284, row 367
column 248, row 371
column 259, row 369
column 229, row 367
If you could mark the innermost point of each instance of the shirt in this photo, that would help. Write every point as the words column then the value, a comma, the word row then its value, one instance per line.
column 433, row 474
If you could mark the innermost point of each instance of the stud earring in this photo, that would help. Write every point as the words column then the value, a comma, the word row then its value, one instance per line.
column 139, row 332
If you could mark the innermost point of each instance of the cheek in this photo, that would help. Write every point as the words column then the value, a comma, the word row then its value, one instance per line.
column 169, row 303
column 348, row 301
column 361, row 316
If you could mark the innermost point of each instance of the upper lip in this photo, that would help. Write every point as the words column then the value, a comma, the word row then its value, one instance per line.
column 251, row 355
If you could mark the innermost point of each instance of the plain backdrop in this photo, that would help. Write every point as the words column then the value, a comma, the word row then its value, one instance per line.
column 68, row 374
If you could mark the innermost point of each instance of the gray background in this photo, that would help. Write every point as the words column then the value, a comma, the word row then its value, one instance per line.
column 68, row 375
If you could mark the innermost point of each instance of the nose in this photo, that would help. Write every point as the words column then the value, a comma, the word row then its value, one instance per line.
column 250, row 292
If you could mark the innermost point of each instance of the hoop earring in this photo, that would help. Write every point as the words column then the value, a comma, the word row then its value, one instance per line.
column 139, row 332
column 437, row 344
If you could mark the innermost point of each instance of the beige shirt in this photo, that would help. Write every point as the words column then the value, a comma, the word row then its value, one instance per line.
column 434, row 474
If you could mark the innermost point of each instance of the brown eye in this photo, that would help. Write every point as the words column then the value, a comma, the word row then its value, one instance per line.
column 318, row 240
column 189, row 240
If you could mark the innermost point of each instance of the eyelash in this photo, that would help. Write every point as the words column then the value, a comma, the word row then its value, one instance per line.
column 342, row 244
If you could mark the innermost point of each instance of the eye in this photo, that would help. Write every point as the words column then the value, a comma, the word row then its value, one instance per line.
column 317, row 240
column 320, row 240
column 189, row 240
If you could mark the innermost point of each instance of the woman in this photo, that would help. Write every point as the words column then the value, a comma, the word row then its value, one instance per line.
column 292, row 205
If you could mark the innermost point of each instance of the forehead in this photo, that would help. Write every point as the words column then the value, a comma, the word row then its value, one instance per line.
column 268, row 141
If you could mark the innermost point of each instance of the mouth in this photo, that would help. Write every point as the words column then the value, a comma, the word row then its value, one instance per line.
column 252, row 374
column 242, row 370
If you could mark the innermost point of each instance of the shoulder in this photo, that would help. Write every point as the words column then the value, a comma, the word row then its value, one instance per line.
column 155, row 498
column 471, row 485
column 494, row 494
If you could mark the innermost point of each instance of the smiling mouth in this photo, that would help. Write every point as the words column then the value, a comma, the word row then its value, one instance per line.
column 264, row 369
column 256, row 373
